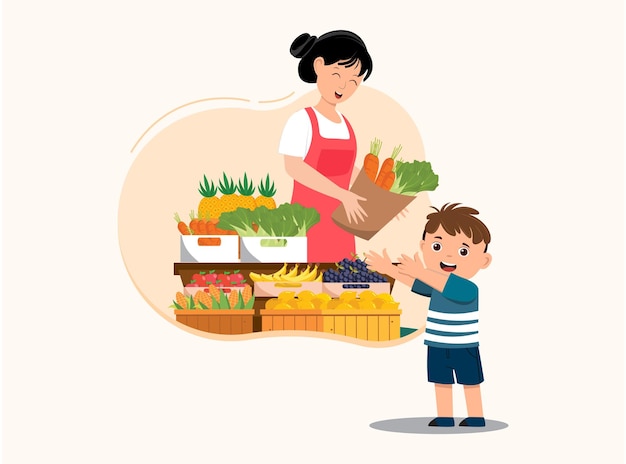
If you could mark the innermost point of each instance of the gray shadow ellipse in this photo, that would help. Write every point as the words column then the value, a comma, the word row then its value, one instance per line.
column 420, row 425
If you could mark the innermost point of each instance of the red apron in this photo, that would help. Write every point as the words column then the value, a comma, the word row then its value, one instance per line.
column 334, row 158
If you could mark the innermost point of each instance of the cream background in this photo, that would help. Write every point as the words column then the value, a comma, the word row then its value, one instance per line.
column 520, row 105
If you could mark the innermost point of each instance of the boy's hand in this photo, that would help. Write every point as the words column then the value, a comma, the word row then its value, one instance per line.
column 411, row 266
column 381, row 264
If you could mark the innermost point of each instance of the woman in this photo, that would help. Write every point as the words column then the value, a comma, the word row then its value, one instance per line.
column 319, row 144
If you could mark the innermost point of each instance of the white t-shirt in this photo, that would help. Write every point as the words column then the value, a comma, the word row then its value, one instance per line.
column 298, row 131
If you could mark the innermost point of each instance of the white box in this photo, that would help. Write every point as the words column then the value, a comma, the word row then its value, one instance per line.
column 209, row 248
column 273, row 249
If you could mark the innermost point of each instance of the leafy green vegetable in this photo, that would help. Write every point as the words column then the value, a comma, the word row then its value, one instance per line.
column 286, row 220
column 414, row 177
column 239, row 220
column 305, row 218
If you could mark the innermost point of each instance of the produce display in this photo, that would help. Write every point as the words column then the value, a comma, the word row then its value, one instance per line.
column 286, row 220
column 306, row 299
column 352, row 270
column 215, row 298
column 310, row 273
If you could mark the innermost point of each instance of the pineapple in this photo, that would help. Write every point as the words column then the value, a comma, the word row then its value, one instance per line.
column 209, row 206
column 246, row 188
column 267, row 191
column 229, row 200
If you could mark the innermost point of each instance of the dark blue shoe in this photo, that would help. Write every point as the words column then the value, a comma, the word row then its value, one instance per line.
column 473, row 422
column 442, row 422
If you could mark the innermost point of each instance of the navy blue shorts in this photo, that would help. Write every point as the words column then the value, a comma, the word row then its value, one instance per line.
column 444, row 363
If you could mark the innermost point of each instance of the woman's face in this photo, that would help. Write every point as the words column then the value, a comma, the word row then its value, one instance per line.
column 335, row 82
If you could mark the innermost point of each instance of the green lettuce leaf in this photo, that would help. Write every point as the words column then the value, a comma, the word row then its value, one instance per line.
column 414, row 177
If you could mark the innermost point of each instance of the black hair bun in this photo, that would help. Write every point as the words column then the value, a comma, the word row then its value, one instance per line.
column 302, row 45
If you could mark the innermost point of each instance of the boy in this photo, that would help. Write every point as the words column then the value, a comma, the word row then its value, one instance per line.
column 454, row 248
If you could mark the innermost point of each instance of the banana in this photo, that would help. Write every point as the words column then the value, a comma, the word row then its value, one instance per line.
column 308, row 275
column 292, row 273
column 304, row 276
column 256, row 277
column 281, row 271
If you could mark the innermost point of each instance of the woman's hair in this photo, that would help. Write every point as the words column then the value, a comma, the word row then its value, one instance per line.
column 454, row 218
column 342, row 47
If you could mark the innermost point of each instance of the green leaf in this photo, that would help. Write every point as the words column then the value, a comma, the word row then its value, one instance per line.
column 223, row 304
column 250, row 303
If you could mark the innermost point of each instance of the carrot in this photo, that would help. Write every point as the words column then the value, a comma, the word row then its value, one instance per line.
column 202, row 226
column 389, row 179
column 387, row 166
column 193, row 223
column 371, row 160
column 210, row 228
column 182, row 227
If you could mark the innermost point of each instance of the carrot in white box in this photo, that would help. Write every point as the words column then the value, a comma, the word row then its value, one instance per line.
column 182, row 227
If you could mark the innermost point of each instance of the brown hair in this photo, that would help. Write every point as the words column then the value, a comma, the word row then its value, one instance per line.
column 454, row 218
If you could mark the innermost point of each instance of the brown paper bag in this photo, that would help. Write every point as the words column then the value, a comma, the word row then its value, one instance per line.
column 381, row 207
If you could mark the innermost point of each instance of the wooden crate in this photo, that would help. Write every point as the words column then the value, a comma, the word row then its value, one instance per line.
column 371, row 325
column 220, row 321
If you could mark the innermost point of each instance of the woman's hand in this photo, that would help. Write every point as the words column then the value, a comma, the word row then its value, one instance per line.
column 412, row 267
column 354, row 210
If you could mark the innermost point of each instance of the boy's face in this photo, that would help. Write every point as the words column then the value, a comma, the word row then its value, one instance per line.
column 456, row 254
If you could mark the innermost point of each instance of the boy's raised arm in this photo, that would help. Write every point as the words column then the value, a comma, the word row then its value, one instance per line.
column 414, row 268
column 383, row 265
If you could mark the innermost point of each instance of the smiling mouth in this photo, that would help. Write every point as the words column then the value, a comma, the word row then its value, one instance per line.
column 338, row 95
column 447, row 266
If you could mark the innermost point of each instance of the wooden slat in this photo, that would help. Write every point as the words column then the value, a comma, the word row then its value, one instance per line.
column 361, row 327
column 320, row 323
column 300, row 322
column 383, row 328
column 311, row 323
column 278, row 322
column 394, row 327
column 214, row 324
column 235, row 324
column 224, row 324
column 247, row 324
column 329, row 324
column 340, row 325
column 372, row 328
column 267, row 323
column 289, row 322
column 203, row 323
column 192, row 321
column 351, row 326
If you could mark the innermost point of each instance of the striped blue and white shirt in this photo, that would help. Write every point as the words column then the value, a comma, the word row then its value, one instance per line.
column 452, row 320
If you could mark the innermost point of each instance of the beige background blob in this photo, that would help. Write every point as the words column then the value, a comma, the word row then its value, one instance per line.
column 236, row 140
